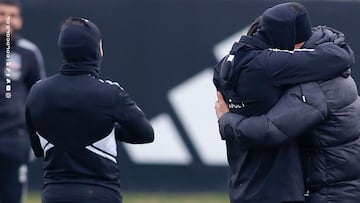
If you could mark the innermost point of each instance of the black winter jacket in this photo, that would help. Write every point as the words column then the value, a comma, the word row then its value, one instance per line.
column 70, row 116
column 326, row 114
column 252, row 78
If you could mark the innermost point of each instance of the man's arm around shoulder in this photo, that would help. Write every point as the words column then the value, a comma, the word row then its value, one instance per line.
column 299, row 110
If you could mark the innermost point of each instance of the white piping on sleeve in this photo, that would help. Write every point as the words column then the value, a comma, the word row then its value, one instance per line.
column 292, row 51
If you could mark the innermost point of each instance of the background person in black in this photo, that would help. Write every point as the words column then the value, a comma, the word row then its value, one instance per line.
column 253, row 77
column 70, row 116
column 16, row 78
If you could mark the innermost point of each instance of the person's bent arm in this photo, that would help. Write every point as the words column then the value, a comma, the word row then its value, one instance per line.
column 34, row 139
column 292, row 116
column 321, row 59
column 132, row 126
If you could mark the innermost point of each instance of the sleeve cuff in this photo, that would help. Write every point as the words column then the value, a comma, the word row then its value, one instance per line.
column 227, row 125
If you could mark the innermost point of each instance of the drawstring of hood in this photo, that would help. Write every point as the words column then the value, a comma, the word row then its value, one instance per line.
column 303, row 98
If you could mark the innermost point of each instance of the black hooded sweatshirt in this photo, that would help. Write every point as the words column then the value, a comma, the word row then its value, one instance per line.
column 252, row 78
column 70, row 115
column 25, row 68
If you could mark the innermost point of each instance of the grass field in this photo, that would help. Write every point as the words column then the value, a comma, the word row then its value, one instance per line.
column 160, row 198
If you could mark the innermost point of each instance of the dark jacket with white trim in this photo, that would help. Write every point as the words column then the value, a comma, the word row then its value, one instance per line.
column 70, row 117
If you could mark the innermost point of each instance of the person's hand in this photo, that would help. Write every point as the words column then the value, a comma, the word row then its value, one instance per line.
column 220, row 106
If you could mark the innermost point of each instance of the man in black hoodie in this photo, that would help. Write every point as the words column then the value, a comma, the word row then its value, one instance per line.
column 253, row 77
column 70, row 116
column 21, row 65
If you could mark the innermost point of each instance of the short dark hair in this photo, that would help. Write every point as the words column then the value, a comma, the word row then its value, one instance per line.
column 16, row 3
column 254, row 26
column 302, row 24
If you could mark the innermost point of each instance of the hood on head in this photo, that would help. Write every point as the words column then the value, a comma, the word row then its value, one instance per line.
column 79, row 44
column 284, row 25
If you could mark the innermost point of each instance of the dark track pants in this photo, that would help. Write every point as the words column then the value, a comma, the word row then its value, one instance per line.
column 13, row 171
column 79, row 193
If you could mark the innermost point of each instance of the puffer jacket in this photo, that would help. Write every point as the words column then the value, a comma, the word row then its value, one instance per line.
column 332, row 149
column 326, row 114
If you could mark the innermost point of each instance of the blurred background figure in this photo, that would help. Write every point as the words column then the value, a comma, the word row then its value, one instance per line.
column 21, row 65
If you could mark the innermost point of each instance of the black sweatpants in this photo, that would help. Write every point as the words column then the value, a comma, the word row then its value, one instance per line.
column 13, row 170
column 79, row 193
